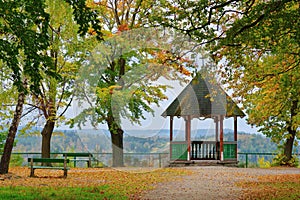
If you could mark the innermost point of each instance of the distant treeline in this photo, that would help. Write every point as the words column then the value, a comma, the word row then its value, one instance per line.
column 99, row 141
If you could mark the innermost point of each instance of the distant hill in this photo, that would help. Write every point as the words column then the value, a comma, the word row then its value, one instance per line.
column 136, row 141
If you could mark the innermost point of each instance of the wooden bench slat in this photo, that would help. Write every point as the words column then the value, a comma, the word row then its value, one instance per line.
column 78, row 154
column 49, row 160
column 48, row 167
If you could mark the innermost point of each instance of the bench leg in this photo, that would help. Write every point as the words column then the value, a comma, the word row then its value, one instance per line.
column 31, row 172
column 65, row 173
column 88, row 163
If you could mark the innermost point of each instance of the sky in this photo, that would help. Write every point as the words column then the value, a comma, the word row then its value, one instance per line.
column 157, row 122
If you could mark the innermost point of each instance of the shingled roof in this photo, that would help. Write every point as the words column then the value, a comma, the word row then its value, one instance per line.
column 202, row 98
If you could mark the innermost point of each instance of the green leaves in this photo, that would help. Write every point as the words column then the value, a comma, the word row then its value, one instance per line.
column 23, row 30
column 85, row 17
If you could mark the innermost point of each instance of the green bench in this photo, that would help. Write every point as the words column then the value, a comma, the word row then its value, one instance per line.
column 32, row 167
column 83, row 157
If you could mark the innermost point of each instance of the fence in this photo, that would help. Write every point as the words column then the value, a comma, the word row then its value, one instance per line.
column 155, row 160
column 248, row 157
column 147, row 159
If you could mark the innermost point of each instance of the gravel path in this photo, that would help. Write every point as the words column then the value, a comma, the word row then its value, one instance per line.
column 211, row 183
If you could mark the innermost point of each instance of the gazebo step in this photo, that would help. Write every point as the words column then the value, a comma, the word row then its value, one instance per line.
column 203, row 163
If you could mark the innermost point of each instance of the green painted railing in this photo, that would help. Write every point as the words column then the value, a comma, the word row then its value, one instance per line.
column 179, row 151
column 229, row 150
column 159, row 159
column 258, row 154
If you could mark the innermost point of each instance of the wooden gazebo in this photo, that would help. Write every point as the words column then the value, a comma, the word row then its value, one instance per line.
column 202, row 98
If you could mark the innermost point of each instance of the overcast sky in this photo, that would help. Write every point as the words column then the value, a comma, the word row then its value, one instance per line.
column 157, row 122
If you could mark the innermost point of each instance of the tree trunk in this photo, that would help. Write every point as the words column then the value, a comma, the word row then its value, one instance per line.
column 117, row 149
column 117, row 143
column 288, row 145
column 46, row 138
column 5, row 159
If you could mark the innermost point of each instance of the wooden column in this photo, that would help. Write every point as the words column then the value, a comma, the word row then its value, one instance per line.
column 171, row 135
column 217, row 128
column 221, row 137
column 235, row 128
column 188, row 136
column 235, row 133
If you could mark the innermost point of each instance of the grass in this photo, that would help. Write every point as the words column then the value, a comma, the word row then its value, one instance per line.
column 48, row 193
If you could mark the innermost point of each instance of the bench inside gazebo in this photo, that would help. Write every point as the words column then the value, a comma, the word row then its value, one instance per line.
column 203, row 98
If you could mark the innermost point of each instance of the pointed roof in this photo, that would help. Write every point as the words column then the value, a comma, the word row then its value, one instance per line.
column 203, row 98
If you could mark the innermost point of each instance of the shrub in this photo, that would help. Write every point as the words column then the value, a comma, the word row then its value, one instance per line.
column 280, row 159
column 263, row 164
column 16, row 160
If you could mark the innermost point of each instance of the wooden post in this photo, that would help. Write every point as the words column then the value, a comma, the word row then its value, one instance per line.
column 65, row 168
column 235, row 134
column 188, row 136
column 221, row 138
column 31, row 168
column 90, row 161
column 217, row 137
column 217, row 128
column 171, row 135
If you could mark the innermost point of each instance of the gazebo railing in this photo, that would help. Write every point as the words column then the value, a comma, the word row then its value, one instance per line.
column 179, row 150
column 205, row 150
column 230, row 150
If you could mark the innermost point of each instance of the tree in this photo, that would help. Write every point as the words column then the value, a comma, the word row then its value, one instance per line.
column 256, row 44
column 23, row 39
column 22, row 29
column 68, row 52
column 123, row 69
column 262, row 52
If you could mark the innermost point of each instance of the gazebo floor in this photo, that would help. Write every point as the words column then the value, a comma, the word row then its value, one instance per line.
column 182, row 163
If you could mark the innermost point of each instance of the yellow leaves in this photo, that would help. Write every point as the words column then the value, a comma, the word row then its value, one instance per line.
column 101, row 92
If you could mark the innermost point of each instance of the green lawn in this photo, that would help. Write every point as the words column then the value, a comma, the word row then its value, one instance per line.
column 49, row 193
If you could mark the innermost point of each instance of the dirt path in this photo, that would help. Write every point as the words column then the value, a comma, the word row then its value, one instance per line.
column 211, row 183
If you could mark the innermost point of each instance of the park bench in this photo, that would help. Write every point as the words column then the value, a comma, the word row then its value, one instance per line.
column 82, row 157
column 32, row 167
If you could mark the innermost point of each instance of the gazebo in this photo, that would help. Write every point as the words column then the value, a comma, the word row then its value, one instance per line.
column 203, row 98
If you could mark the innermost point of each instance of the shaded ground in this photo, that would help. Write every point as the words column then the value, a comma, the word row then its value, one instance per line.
column 213, row 183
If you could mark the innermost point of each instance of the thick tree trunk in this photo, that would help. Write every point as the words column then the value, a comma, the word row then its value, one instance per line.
column 5, row 159
column 117, row 149
column 46, row 138
column 288, row 146
column 117, row 143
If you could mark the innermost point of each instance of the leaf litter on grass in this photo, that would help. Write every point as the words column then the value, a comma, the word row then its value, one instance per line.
column 123, row 183
column 281, row 186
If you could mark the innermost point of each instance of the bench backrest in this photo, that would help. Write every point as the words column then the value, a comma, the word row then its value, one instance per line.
column 49, row 160
column 78, row 154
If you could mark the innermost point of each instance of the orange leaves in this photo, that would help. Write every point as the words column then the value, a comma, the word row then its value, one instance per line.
column 168, row 59
column 91, row 31
column 123, row 27
column 184, row 71
column 282, row 186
